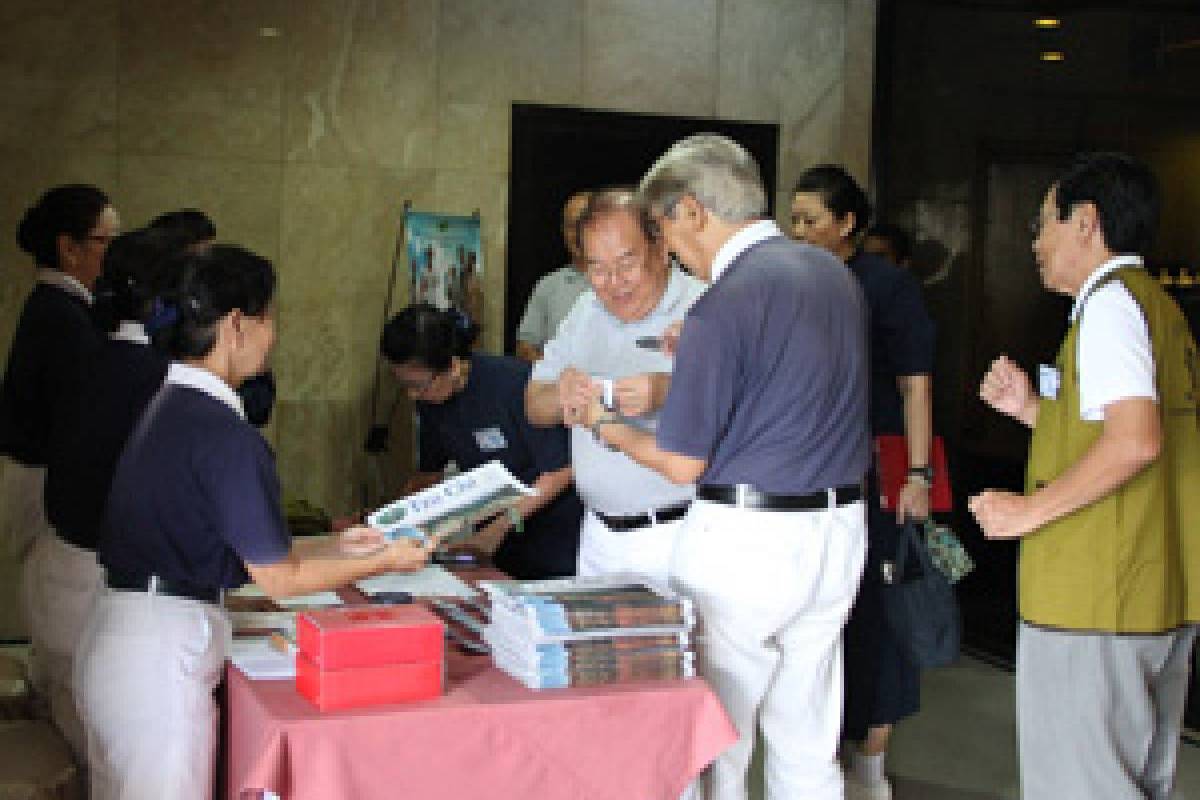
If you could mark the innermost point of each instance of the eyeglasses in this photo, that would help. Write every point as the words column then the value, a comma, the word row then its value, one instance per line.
column 626, row 267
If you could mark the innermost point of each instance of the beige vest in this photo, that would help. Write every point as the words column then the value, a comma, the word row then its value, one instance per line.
column 1130, row 562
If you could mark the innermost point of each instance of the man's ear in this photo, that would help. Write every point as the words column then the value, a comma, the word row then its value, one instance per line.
column 690, row 212
column 1087, row 219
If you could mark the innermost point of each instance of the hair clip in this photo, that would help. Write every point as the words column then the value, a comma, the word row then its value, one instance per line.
column 162, row 315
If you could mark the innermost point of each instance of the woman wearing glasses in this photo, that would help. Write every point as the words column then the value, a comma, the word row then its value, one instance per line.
column 66, row 233
column 472, row 410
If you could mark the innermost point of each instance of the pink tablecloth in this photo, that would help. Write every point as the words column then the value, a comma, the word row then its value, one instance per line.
column 487, row 737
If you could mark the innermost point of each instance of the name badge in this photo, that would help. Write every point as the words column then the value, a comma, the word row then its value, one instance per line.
column 490, row 440
column 1049, row 380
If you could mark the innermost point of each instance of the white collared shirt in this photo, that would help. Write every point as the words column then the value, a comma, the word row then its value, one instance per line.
column 61, row 280
column 130, row 331
column 1115, row 357
column 740, row 242
column 201, row 379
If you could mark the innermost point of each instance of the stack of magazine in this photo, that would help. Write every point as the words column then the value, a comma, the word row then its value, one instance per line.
column 588, row 631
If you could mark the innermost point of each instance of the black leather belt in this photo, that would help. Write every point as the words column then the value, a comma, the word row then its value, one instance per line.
column 152, row 583
column 635, row 521
column 745, row 496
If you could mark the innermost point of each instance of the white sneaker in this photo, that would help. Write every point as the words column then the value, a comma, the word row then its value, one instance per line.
column 857, row 790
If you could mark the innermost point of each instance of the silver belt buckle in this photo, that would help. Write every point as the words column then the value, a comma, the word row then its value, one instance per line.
column 740, row 493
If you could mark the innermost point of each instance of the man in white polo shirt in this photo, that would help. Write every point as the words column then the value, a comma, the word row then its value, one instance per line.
column 632, row 512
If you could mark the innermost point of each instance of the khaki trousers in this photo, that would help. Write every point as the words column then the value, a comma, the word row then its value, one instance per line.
column 144, row 677
column 59, row 586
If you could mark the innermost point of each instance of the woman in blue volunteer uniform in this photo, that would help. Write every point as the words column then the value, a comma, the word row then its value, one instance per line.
column 193, row 510
column 66, row 233
column 472, row 410
column 61, row 576
column 830, row 210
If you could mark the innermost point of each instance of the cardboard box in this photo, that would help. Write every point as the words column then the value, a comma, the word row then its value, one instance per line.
column 332, row 689
column 370, row 636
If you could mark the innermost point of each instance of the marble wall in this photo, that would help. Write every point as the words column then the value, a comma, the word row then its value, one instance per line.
column 303, row 125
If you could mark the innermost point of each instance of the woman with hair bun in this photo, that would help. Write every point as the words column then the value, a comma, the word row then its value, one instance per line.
column 65, row 233
column 830, row 210
column 194, row 510
column 472, row 410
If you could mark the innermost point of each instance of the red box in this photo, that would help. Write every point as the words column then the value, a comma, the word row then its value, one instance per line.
column 332, row 689
column 370, row 636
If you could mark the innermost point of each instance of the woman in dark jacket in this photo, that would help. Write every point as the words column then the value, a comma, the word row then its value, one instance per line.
column 830, row 210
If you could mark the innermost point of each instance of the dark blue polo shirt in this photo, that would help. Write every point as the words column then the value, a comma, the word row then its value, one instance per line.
column 54, row 337
column 114, row 389
column 770, row 381
column 902, row 335
column 486, row 422
column 194, row 496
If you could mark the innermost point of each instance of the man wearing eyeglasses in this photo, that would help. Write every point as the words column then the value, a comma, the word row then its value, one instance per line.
column 609, row 345
column 1110, row 570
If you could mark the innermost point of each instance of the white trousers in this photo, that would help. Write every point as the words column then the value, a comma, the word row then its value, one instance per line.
column 59, row 585
column 144, row 677
column 773, row 590
column 22, row 509
column 644, row 551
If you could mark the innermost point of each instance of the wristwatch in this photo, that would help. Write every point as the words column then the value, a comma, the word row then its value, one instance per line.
column 923, row 475
column 609, row 419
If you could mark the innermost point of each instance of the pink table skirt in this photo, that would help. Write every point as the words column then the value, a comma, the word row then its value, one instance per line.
column 487, row 737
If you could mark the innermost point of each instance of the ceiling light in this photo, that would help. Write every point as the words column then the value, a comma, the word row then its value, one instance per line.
column 1047, row 22
column 1053, row 55
column 269, row 32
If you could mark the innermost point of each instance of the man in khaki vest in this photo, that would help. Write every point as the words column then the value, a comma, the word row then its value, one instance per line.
column 1110, row 570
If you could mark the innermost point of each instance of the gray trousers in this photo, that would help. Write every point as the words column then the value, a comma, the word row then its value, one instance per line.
column 1099, row 715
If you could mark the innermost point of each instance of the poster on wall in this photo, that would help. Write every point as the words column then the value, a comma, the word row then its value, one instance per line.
column 446, row 259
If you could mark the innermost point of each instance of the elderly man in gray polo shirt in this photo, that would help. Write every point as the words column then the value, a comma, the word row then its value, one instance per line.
column 633, row 512
column 767, row 415
column 556, row 293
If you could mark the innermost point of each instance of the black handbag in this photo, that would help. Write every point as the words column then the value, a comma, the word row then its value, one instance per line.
column 919, row 604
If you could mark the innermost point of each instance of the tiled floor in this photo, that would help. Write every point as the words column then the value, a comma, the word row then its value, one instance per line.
column 962, row 746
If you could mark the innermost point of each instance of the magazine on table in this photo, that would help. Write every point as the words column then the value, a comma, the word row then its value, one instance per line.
column 601, row 606
column 449, row 510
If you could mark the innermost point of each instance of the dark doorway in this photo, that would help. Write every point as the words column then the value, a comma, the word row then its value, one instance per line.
column 558, row 150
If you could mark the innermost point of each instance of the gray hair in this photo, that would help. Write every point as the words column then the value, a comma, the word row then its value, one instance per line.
column 714, row 169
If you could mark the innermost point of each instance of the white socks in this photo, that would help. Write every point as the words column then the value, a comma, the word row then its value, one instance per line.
column 868, row 769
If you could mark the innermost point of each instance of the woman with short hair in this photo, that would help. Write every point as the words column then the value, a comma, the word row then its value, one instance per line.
column 472, row 410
